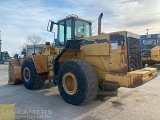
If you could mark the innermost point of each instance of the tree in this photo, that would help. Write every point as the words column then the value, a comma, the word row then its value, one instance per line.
column 24, row 52
column 34, row 39
column 15, row 55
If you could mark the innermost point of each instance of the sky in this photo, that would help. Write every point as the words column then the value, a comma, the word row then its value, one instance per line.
column 20, row 18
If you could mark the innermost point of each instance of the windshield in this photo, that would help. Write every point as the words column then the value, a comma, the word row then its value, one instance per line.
column 82, row 29
column 149, row 42
column 72, row 29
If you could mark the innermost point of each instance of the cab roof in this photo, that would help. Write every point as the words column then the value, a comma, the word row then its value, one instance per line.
column 72, row 16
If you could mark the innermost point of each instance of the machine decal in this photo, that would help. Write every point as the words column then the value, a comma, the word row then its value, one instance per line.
column 114, row 45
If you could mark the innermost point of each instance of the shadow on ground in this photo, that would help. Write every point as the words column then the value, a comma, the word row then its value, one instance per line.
column 46, row 98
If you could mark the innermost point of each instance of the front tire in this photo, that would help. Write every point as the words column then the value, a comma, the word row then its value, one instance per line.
column 77, row 82
column 30, row 78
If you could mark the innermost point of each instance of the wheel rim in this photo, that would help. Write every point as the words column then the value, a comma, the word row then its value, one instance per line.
column 26, row 74
column 69, row 83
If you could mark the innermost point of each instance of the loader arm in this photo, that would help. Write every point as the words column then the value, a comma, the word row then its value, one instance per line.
column 72, row 47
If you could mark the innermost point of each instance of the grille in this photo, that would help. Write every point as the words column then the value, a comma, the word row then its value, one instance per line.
column 146, row 52
column 134, row 54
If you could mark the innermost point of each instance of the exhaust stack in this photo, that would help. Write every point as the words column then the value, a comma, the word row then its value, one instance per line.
column 99, row 23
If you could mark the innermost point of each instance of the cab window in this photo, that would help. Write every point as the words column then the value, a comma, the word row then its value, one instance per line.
column 82, row 29
column 61, row 33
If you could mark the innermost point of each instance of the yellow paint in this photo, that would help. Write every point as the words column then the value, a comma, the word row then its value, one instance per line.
column 40, row 62
column 110, row 62
column 155, row 54
column 7, row 111
column 123, row 80
column 96, row 49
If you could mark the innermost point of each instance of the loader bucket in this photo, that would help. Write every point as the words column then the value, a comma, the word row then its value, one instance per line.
column 15, row 71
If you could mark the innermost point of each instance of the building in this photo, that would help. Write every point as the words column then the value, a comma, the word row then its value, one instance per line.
column 31, row 49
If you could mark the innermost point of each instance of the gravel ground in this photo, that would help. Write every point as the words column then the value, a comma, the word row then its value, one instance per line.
column 141, row 103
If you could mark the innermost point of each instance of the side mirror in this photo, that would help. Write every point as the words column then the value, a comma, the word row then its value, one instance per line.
column 50, row 26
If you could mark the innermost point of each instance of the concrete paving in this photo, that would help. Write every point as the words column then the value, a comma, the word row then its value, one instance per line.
column 141, row 103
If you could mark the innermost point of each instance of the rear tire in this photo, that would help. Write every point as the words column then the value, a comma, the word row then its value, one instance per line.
column 30, row 78
column 77, row 82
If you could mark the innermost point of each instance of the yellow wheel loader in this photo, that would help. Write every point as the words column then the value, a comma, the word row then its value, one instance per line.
column 79, row 63
column 150, row 49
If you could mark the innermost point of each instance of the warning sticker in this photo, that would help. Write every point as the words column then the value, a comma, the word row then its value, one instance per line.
column 114, row 45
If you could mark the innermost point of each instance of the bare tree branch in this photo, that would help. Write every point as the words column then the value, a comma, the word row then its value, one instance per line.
column 35, row 39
